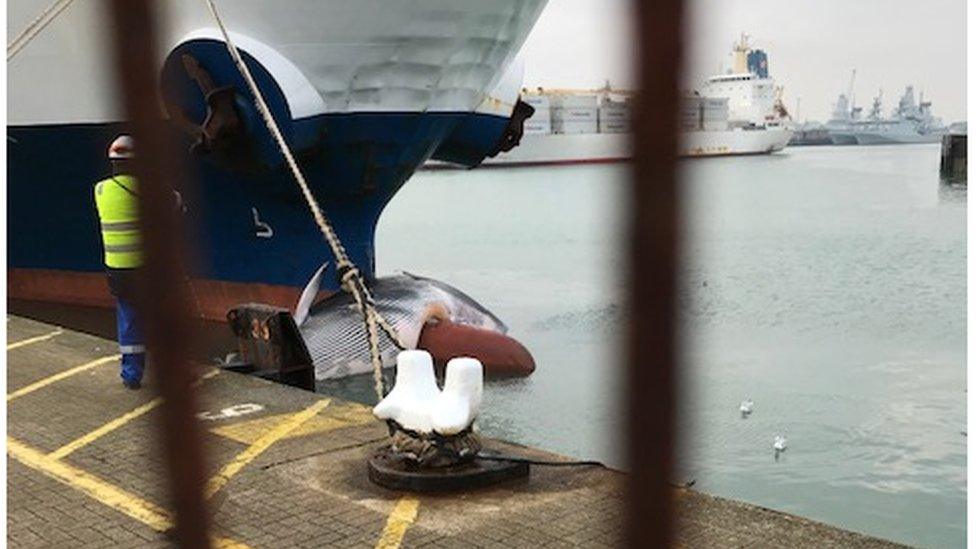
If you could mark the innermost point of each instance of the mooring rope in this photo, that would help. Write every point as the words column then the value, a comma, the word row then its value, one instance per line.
column 350, row 277
column 35, row 27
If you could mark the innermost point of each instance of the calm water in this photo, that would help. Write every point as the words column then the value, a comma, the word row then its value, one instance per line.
column 826, row 284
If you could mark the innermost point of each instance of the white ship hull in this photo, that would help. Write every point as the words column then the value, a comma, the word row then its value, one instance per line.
column 842, row 138
column 544, row 149
column 884, row 138
column 330, row 57
column 733, row 142
column 868, row 138
column 364, row 92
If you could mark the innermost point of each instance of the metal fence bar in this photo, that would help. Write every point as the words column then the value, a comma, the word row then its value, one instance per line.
column 163, row 301
column 652, row 350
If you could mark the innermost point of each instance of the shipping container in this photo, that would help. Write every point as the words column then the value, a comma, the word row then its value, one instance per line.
column 538, row 102
column 573, row 114
column 579, row 126
column 614, row 126
column 533, row 126
column 703, row 113
column 574, row 101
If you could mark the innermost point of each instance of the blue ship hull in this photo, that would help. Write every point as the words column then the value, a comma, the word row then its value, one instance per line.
column 357, row 164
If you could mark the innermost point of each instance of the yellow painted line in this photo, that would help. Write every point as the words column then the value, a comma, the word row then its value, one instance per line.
column 338, row 416
column 59, row 376
column 264, row 442
column 88, row 438
column 129, row 504
column 30, row 340
column 84, row 440
column 403, row 515
column 226, row 543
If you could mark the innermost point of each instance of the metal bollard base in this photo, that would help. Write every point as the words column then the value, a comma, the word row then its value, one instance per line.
column 395, row 473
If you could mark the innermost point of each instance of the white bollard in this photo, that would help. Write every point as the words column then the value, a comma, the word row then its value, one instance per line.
column 415, row 390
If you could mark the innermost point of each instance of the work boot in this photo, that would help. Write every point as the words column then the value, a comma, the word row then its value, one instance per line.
column 132, row 367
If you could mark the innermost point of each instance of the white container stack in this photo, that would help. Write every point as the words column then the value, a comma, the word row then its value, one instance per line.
column 704, row 113
column 614, row 117
column 574, row 114
column 539, row 122
column 568, row 112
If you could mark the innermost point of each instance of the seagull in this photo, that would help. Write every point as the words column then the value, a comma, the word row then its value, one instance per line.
column 745, row 407
column 779, row 445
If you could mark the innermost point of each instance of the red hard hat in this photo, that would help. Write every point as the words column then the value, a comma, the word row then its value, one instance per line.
column 123, row 147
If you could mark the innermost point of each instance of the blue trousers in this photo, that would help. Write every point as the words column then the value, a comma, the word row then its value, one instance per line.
column 131, row 344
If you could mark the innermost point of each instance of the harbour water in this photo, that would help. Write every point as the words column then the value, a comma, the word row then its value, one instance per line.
column 826, row 284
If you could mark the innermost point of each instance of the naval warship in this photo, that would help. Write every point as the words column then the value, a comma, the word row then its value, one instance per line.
column 911, row 122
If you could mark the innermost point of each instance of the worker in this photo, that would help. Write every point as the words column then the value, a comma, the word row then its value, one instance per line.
column 117, row 200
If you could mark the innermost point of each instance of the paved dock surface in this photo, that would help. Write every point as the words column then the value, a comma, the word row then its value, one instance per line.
column 287, row 469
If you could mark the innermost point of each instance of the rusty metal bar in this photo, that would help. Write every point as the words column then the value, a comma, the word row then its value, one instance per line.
column 652, row 350
column 163, row 302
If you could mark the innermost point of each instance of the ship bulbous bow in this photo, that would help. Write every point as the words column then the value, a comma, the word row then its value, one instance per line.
column 495, row 127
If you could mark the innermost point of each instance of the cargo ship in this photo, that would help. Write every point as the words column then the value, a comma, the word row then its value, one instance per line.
column 364, row 93
column 570, row 126
column 737, row 113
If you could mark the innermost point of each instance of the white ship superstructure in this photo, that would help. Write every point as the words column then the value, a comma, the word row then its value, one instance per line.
column 735, row 113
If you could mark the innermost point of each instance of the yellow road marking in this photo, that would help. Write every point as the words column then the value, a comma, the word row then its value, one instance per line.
column 59, row 376
column 88, row 438
column 84, row 440
column 403, row 515
column 338, row 415
column 30, row 340
column 129, row 504
column 265, row 441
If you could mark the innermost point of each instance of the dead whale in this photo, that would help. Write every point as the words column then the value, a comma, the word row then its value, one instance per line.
column 426, row 313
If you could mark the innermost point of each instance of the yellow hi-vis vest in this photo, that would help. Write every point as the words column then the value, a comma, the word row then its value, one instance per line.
column 117, row 201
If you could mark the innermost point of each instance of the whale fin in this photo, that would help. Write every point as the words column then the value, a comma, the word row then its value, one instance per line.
column 308, row 295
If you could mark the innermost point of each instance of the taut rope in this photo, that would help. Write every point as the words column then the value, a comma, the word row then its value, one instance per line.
column 350, row 277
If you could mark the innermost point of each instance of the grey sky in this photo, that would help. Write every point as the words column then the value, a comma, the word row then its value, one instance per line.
column 812, row 47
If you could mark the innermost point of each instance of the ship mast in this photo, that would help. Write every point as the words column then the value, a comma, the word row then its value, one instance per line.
column 739, row 52
column 850, row 89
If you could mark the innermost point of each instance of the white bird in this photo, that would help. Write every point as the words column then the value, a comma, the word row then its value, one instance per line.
column 417, row 404
column 779, row 443
column 745, row 407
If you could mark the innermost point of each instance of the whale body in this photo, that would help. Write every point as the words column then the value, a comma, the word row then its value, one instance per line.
column 337, row 341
